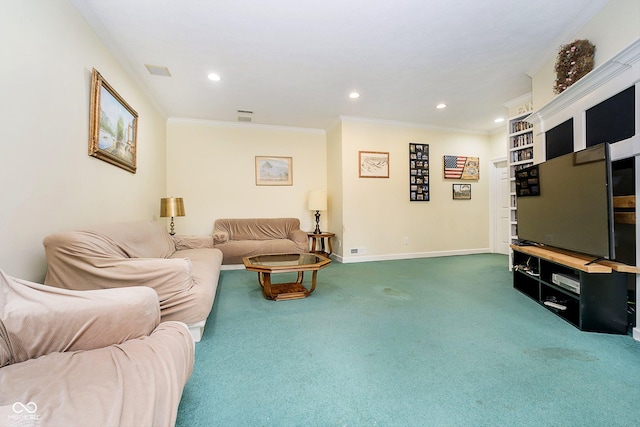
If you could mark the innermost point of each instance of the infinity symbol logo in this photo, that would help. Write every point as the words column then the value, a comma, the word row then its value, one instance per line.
column 20, row 407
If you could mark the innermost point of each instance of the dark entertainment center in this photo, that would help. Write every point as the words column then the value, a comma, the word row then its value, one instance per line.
column 590, row 296
column 576, row 254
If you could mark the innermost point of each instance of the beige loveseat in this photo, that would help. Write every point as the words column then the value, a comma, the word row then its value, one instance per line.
column 89, row 358
column 242, row 237
column 183, row 272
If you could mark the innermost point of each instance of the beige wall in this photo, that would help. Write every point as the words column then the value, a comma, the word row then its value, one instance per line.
column 611, row 30
column 377, row 214
column 212, row 166
column 498, row 144
column 49, row 183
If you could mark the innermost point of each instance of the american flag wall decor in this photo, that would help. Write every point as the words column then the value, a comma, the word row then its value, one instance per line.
column 461, row 167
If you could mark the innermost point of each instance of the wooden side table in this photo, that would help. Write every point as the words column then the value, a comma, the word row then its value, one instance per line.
column 315, row 238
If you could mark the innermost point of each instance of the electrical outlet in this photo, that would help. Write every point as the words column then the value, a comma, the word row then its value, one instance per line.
column 405, row 240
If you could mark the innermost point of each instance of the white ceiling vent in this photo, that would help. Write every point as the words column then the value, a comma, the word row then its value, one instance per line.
column 244, row 116
column 158, row 70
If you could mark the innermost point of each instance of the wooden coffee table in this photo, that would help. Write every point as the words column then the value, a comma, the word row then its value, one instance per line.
column 265, row 265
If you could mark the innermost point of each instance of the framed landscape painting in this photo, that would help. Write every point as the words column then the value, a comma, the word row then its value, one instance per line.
column 274, row 170
column 113, row 126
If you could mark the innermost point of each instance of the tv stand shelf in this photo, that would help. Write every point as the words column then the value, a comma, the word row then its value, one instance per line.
column 600, row 303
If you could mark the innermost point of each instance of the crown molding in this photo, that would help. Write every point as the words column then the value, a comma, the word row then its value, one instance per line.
column 522, row 99
column 410, row 124
column 221, row 123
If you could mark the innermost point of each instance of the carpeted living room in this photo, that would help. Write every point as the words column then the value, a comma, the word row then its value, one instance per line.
column 159, row 158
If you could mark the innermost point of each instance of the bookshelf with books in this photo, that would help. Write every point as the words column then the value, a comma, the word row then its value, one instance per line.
column 520, row 156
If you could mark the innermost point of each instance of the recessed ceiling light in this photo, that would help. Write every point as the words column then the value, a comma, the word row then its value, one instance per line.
column 441, row 106
column 354, row 95
column 499, row 120
column 215, row 77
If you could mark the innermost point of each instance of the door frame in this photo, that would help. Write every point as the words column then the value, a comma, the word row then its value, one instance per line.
column 494, row 192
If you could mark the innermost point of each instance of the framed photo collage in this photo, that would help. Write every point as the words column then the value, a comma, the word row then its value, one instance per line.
column 418, row 172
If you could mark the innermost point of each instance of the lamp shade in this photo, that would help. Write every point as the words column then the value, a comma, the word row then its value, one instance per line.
column 171, row 206
column 318, row 200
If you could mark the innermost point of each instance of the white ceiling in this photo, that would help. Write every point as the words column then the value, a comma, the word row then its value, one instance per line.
column 294, row 62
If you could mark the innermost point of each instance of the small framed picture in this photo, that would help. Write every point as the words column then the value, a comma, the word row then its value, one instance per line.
column 373, row 164
column 274, row 170
column 461, row 191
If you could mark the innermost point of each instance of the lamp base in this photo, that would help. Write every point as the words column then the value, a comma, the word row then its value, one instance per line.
column 172, row 231
column 317, row 230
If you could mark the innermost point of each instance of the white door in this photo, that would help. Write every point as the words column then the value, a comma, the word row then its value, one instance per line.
column 501, row 210
column 504, row 210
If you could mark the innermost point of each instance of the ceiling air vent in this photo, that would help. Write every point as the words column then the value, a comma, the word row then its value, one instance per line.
column 244, row 116
column 158, row 70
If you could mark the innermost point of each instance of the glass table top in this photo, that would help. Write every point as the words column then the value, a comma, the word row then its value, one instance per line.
column 285, row 260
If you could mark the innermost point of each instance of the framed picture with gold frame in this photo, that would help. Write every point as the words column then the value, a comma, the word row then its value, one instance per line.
column 272, row 170
column 113, row 126
column 373, row 164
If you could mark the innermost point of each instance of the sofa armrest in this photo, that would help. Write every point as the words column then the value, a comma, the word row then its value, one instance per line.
column 220, row 237
column 167, row 276
column 39, row 319
column 299, row 236
column 193, row 242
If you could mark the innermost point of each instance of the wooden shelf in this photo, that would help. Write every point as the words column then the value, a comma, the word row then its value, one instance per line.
column 576, row 260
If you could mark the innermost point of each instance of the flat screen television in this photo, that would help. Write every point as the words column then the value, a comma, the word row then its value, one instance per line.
column 572, row 205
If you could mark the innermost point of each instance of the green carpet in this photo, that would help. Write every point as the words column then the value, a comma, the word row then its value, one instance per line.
column 424, row 342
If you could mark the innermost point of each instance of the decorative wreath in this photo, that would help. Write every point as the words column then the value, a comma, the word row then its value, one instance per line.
column 574, row 61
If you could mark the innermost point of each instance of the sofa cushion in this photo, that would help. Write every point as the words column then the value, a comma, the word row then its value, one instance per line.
column 195, row 305
column 235, row 250
column 257, row 228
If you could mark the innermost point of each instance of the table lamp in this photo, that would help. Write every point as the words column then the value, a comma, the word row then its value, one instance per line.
column 170, row 207
column 318, row 202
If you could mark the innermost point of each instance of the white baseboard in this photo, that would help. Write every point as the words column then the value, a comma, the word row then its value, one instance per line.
column 232, row 267
column 389, row 257
column 636, row 334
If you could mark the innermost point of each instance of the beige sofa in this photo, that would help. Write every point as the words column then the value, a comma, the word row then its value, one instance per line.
column 80, row 358
column 183, row 272
column 242, row 237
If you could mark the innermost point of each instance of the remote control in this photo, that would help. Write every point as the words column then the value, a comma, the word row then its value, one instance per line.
column 555, row 305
